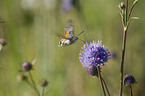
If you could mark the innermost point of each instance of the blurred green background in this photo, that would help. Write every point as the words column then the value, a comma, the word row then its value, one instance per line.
column 30, row 29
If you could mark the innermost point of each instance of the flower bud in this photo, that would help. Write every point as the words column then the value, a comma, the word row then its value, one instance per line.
column 21, row 77
column 93, row 71
column 43, row 83
column 3, row 42
column 26, row 66
column 128, row 80
column 121, row 6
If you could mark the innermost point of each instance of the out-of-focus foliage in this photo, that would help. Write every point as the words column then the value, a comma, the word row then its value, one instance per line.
column 30, row 30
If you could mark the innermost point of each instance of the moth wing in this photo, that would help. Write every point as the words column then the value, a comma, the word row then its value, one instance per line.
column 60, row 36
column 69, row 30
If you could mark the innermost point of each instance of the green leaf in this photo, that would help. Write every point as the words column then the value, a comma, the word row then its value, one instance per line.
column 134, row 18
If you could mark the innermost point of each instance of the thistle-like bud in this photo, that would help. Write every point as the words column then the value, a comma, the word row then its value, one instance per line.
column 26, row 66
column 128, row 80
column 3, row 42
column 22, row 77
column 121, row 6
column 43, row 83
column 93, row 71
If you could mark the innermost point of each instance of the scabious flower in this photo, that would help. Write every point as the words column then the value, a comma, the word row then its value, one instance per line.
column 66, row 5
column 128, row 79
column 94, row 54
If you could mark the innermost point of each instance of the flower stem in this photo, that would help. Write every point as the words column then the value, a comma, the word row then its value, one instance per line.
column 131, row 8
column 32, row 87
column 33, row 83
column 131, row 94
column 101, row 83
column 106, row 86
column 43, row 91
column 123, row 49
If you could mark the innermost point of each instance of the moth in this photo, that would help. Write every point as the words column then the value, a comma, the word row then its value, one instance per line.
column 69, row 37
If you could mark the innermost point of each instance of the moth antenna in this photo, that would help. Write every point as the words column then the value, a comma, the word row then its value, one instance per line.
column 82, row 41
column 80, row 33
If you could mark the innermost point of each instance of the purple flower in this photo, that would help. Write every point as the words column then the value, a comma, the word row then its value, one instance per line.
column 94, row 54
column 128, row 79
column 113, row 54
column 66, row 5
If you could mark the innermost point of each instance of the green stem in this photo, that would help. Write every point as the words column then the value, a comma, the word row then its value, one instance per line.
column 33, row 82
column 123, row 49
column 43, row 91
column 129, row 14
column 106, row 87
column 126, row 9
column 101, row 83
column 32, row 87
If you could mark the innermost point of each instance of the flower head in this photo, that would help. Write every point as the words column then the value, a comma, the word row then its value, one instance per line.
column 26, row 66
column 21, row 77
column 66, row 5
column 94, row 54
column 93, row 71
column 121, row 6
column 128, row 79
column 43, row 83
column 3, row 42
